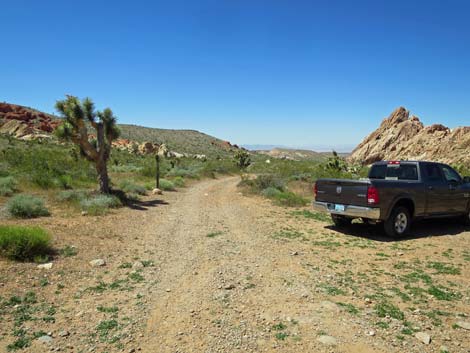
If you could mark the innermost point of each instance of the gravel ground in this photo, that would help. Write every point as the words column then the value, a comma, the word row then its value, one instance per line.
column 207, row 269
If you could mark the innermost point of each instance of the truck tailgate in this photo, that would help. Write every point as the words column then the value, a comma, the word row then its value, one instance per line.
column 343, row 191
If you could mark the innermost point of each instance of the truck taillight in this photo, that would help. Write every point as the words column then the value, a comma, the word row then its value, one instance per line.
column 372, row 195
column 315, row 190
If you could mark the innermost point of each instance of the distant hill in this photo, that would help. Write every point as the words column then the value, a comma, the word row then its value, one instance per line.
column 183, row 141
column 298, row 154
column 28, row 124
column 401, row 137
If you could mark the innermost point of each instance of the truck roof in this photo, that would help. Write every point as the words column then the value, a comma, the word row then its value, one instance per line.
column 403, row 161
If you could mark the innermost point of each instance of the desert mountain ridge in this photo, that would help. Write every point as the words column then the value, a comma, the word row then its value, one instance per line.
column 402, row 136
column 30, row 124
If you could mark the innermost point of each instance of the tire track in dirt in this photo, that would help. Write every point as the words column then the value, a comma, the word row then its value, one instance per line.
column 224, row 293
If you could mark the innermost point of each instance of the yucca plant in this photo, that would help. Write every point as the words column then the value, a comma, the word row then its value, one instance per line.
column 78, row 115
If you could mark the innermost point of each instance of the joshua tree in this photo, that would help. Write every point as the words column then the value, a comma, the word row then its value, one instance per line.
column 77, row 116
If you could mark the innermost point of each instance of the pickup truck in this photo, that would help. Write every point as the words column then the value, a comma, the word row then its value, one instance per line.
column 394, row 194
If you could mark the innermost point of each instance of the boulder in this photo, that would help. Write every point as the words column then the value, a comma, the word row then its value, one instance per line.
column 156, row 191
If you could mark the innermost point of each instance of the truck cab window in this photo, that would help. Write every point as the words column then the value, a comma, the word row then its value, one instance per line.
column 432, row 173
column 451, row 175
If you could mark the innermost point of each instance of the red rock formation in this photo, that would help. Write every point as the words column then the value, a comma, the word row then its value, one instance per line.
column 34, row 121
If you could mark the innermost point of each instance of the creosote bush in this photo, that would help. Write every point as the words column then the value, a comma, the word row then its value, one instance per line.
column 26, row 206
column 130, row 187
column 100, row 204
column 24, row 243
column 7, row 186
column 72, row 195
column 167, row 185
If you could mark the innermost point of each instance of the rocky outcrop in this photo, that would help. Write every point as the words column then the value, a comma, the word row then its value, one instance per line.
column 26, row 123
column 404, row 137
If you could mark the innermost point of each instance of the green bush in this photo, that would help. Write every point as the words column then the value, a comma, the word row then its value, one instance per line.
column 128, row 168
column 184, row 172
column 263, row 182
column 167, row 185
column 26, row 206
column 7, row 186
column 24, row 243
column 72, row 195
column 130, row 187
column 271, row 192
column 179, row 182
column 100, row 204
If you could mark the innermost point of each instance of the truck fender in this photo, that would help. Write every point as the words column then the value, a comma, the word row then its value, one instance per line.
column 398, row 199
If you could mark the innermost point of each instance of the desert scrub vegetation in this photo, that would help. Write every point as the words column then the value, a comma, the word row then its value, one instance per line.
column 167, row 185
column 24, row 243
column 130, row 187
column 26, row 206
column 274, row 188
column 99, row 204
column 72, row 195
column 44, row 164
column 8, row 186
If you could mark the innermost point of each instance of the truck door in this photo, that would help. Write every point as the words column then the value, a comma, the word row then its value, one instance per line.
column 455, row 198
column 436, row 189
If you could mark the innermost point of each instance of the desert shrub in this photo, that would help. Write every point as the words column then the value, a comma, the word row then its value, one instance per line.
column 184, row 172
column 72, row 195
column 131, row 188
column 7, row 186
column 46, row 164
column 100, row 204
column 4, row 170
column 242, row 159
column 263, row 182
column 64, row 181
column 179, row 182
column 128, row 168
column 288, row 198
column 167, row 185
column 26, row 206
column 271, row 192
column 24, row 243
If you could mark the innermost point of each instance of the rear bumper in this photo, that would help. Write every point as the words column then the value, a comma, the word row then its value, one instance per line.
column 350, row 210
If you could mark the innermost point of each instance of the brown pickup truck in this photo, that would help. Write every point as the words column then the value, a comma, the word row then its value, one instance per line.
column 395, row 193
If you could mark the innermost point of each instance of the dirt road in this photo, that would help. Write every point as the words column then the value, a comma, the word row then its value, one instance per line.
column 221, row 272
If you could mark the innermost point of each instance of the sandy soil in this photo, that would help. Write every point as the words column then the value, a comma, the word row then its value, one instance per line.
column 208, row 269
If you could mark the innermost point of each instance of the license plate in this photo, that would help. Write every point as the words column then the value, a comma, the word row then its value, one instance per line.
column 339, row 208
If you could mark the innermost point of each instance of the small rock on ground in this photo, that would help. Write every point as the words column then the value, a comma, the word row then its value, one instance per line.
column 47, row 266
column 464, row 325
column 45, row 339
column 423, row 337
column 97, row 262
column 327, row 340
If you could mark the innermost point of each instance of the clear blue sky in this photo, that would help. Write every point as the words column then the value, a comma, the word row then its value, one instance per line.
column 298, row 73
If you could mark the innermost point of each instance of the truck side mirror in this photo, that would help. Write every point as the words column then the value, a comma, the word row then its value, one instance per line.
column 466, row 179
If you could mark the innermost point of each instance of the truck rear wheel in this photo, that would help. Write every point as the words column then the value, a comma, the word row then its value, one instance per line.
column 399, row 222
column 466, row 219
column 340, row 221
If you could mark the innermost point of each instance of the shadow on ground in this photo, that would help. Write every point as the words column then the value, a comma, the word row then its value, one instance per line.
column 419, row 229
column 145, row 205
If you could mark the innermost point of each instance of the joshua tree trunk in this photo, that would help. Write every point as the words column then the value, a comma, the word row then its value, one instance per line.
column 157, row 159
column 103, row 179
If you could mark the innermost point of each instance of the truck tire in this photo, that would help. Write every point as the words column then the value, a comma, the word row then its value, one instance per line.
column 399, row 222
column 466, row 219
column 340, row 221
